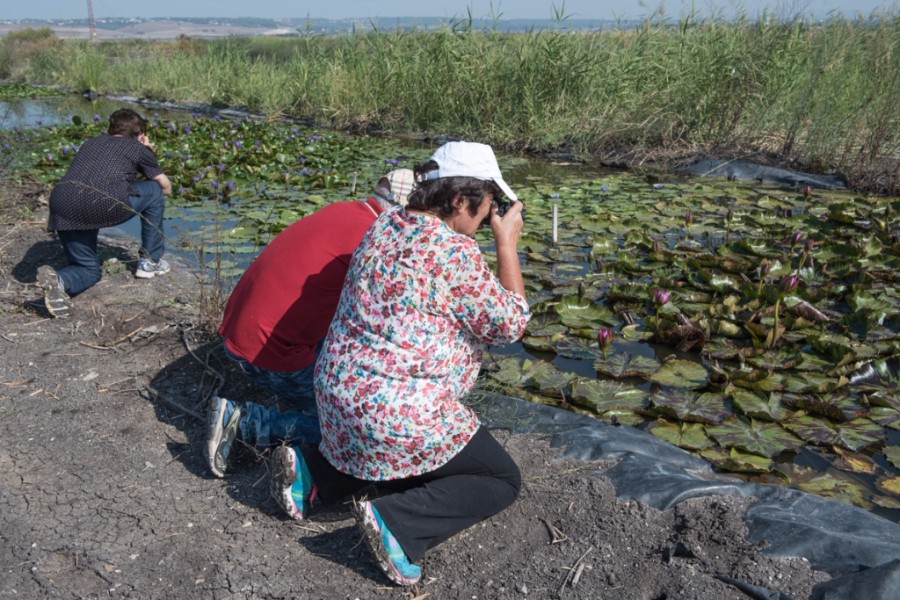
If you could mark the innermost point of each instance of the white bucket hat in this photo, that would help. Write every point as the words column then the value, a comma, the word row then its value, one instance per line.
column 468, row 159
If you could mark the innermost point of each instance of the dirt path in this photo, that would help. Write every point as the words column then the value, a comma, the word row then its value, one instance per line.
column 104, row 491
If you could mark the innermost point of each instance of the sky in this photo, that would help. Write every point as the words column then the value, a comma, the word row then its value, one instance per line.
column 362, row 9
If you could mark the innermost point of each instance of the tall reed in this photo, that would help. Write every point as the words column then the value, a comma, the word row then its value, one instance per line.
column 817, row 95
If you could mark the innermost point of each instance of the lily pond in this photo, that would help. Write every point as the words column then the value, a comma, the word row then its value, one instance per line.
column 753, row 325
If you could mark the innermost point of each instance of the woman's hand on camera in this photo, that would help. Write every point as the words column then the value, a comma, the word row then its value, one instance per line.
column 507, row 228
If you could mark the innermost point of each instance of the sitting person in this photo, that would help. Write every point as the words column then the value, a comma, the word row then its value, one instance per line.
column 404, row 348
column 100, row 190
column 278, row 314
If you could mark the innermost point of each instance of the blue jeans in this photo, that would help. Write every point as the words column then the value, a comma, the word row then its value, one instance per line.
column 262, row 426
column 265, row 426
column 80, row 246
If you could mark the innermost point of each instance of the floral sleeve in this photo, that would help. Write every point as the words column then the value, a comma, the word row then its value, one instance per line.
column 490, row 312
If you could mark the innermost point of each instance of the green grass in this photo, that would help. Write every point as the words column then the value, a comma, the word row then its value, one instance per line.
column 820, row 96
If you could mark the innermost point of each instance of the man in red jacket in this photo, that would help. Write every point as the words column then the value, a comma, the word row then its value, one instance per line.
column 278, row 315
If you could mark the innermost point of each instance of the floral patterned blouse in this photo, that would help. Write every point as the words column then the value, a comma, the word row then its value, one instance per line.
column 418, row 304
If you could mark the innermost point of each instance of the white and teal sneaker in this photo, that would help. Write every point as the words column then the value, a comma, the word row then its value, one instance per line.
column 292, row 484
column 221, row 432
column 390, row 556
column 148, row 269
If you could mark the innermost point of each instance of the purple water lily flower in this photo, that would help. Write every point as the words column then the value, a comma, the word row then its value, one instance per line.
column 215, row 183
column 661, row 297
column 604, row 188
column 605, row 337
column 796, row 238
column 789, row 283
column 96, row 118
column 187, row 128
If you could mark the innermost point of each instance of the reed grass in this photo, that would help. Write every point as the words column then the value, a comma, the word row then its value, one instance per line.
column 822, row 96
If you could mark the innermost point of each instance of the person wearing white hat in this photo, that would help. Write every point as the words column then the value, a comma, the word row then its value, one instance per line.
column 278, row 314
column 419, row 304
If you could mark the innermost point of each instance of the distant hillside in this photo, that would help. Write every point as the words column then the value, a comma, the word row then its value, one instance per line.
column 163, row 28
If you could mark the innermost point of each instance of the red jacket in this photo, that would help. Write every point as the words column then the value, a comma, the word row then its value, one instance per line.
column 283, row 303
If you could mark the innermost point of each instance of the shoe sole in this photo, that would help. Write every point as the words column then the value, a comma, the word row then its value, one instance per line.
column 218, row 431
column 55, row 300
column 284, row 472
column 141, row 274
column 372, row 534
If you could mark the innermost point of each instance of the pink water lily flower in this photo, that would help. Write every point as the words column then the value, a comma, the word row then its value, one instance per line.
column 605, row 336
column 661, row 297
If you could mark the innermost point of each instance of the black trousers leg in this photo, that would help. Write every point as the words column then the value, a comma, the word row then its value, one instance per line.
column 425, row 510
column 476, row 484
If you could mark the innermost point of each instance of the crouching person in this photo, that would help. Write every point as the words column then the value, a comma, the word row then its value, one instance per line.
column 405, row 347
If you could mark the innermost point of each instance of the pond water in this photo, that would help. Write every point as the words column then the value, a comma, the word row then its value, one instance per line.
column 754, row 325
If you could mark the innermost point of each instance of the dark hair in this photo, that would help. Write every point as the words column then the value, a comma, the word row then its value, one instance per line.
column 436, row 195
column 126, row 122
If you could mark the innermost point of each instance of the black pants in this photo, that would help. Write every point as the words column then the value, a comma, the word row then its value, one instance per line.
column 425, row 510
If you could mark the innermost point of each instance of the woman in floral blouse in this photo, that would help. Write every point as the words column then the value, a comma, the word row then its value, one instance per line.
column 418, row 305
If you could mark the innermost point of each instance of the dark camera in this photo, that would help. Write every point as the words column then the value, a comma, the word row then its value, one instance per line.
column 502, row 205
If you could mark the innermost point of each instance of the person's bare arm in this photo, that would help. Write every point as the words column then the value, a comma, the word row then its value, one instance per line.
column 506, row 231
column 162, row 180
column 164, row 183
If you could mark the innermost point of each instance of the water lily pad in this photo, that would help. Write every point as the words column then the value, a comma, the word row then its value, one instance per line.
column 681, row 373
column 737, row 461
column 756, row 437
column 890, row 485
column 760, row 405
column 837, row 488
column 540, row 343
column 577, row 347
column 602, row 396
column 521, row 372
column 686, row 405
column 892, row 453
column 855, row 435
column 635, row 333
column 690, row 436
column 836, row 408
column 854, row 462
column 577, row 311
column 549, row 378
column 758, row 380
column 885, row 502
column 622, row 364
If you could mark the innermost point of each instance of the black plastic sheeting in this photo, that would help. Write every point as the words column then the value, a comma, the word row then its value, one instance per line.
column 860, row 550
column 746, row 170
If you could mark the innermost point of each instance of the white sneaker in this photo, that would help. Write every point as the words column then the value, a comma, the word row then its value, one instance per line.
column 147, row 269
column 55, row 298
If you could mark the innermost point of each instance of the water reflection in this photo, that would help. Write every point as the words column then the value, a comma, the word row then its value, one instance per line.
column 23, row 113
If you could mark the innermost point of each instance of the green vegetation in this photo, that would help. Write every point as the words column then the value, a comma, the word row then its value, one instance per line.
column 731, row 319
column 817, row 95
